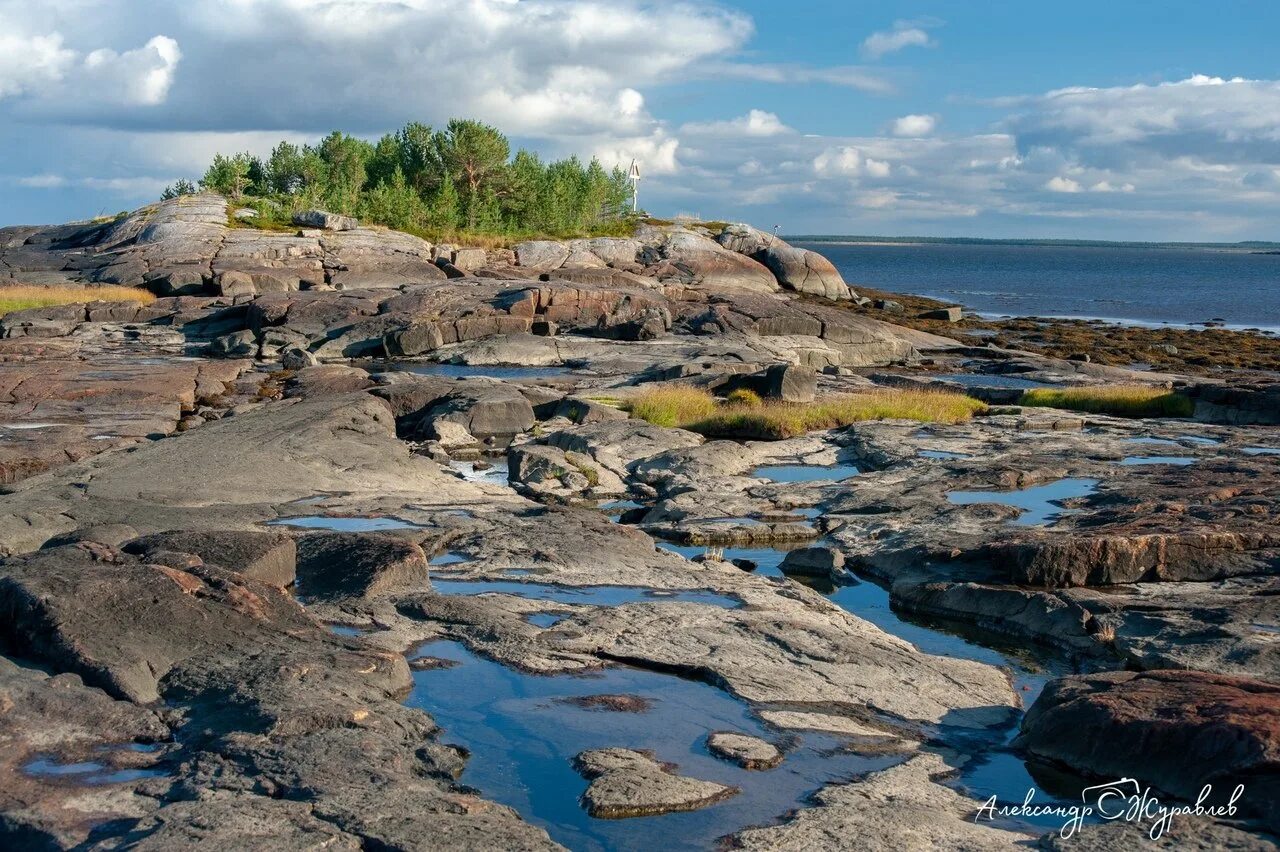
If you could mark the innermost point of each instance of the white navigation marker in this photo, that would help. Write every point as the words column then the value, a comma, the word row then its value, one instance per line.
column 633, row 175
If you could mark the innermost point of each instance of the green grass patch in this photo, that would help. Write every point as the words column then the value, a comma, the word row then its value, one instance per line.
column 1117, row 400
column 697, row 410
column 20, row 297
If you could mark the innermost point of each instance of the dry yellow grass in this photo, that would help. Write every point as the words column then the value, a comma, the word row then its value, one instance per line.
column 19, row 297
column 1119, row 400
column 697, row 410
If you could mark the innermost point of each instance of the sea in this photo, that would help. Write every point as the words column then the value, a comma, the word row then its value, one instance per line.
column 1132, row 285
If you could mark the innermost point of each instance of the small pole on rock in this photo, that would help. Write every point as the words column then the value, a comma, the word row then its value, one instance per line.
column 633, row 175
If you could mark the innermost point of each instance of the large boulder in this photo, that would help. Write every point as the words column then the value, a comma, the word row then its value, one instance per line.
column 359, row 565
column 271, row 557
column 1175, row 730
column 324, row 220
column 485, row 409
column 805, row 271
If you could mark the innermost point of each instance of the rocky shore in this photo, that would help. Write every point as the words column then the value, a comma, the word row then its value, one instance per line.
column 348, row 541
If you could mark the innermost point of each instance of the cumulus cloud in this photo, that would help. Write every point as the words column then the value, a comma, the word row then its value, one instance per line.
column 1057, row 183
column 914, row 125
column 848, row 161
column 757, row 122
column 903, row 35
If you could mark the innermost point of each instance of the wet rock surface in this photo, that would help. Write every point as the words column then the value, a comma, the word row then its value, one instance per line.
column 261, row 536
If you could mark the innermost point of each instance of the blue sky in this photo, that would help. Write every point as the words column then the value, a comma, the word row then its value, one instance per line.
column 1117, row 120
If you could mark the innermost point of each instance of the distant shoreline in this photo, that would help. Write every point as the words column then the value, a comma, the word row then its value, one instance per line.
column 859, row 240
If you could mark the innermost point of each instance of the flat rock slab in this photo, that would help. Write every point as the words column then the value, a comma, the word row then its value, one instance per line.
column 628, row 783
column 747, row 751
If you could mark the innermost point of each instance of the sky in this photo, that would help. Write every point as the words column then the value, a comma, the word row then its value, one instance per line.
column 1120, row 120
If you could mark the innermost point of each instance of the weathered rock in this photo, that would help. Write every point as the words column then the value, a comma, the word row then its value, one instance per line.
column 804, row 271
column 271, row 557
column 1176, row 730
column 324, row 220
column 747, row 751
column 948, row 314
column 359, row 565
column 897, row 808
column 485, row 410
column 824, row 562
column 627, row 783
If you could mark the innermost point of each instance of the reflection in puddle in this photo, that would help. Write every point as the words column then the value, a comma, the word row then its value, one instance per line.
column 344, row 630
column 1037, row 502
column 1196, row 439
column 544, row 619
column 450, row 558
column 804, row 472
column 523, row 737
column 325, row 522
column 1261, row 451
column 89, row 772
column 1132, row 461
column 587, row 595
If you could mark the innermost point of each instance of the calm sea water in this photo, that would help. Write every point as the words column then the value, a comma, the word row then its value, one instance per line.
column 1132, row 285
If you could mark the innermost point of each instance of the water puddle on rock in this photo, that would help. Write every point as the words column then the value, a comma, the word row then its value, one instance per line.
column 804, row 472
column 92, row 771
column 468, row 371
column 589, row 595
column 1138, row 461
column 336, row 524
column 450, row 558
column 524, row 730
column 994, row 770
column 491, row 470
column 1039, row 503
column 1261, row 451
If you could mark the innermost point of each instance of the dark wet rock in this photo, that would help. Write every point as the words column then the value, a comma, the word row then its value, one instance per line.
column 359, row 565
column 902, row 807
column 428, row 663
column 627, row 783
column 747, row 751
column 1176, row 730
column 611, row 703
column 271, row 557
column 1239, row 404
column 948, row 314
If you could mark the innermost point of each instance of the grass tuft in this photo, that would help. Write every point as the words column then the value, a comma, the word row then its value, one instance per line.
column 1117, row 400
column 673, row 405
column 697, row 410
column 745, row 397
column 20, row 297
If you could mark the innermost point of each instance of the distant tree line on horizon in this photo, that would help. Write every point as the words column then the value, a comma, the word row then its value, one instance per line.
column 459, row 179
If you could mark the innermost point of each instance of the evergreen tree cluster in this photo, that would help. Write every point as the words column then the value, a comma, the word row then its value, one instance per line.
column 459, row 179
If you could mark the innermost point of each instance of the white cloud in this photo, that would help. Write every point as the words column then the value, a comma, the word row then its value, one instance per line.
column 849, row 76
column 757, row 122
column 1107, row 186
column 915, row 125
column 848, row 161
column 903, row 35
column 1062, row 184
column 43, row 181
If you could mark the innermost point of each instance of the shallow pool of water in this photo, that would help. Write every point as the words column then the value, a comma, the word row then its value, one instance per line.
column 1038, row 503
column 491, row 470
column 467, row 371
column 589, row 595
column 1136, row 461
column 325, row 522
column 804, row 472
column 1261, row 451
column 523, row 737
column 87, row 772
column 450, row 558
